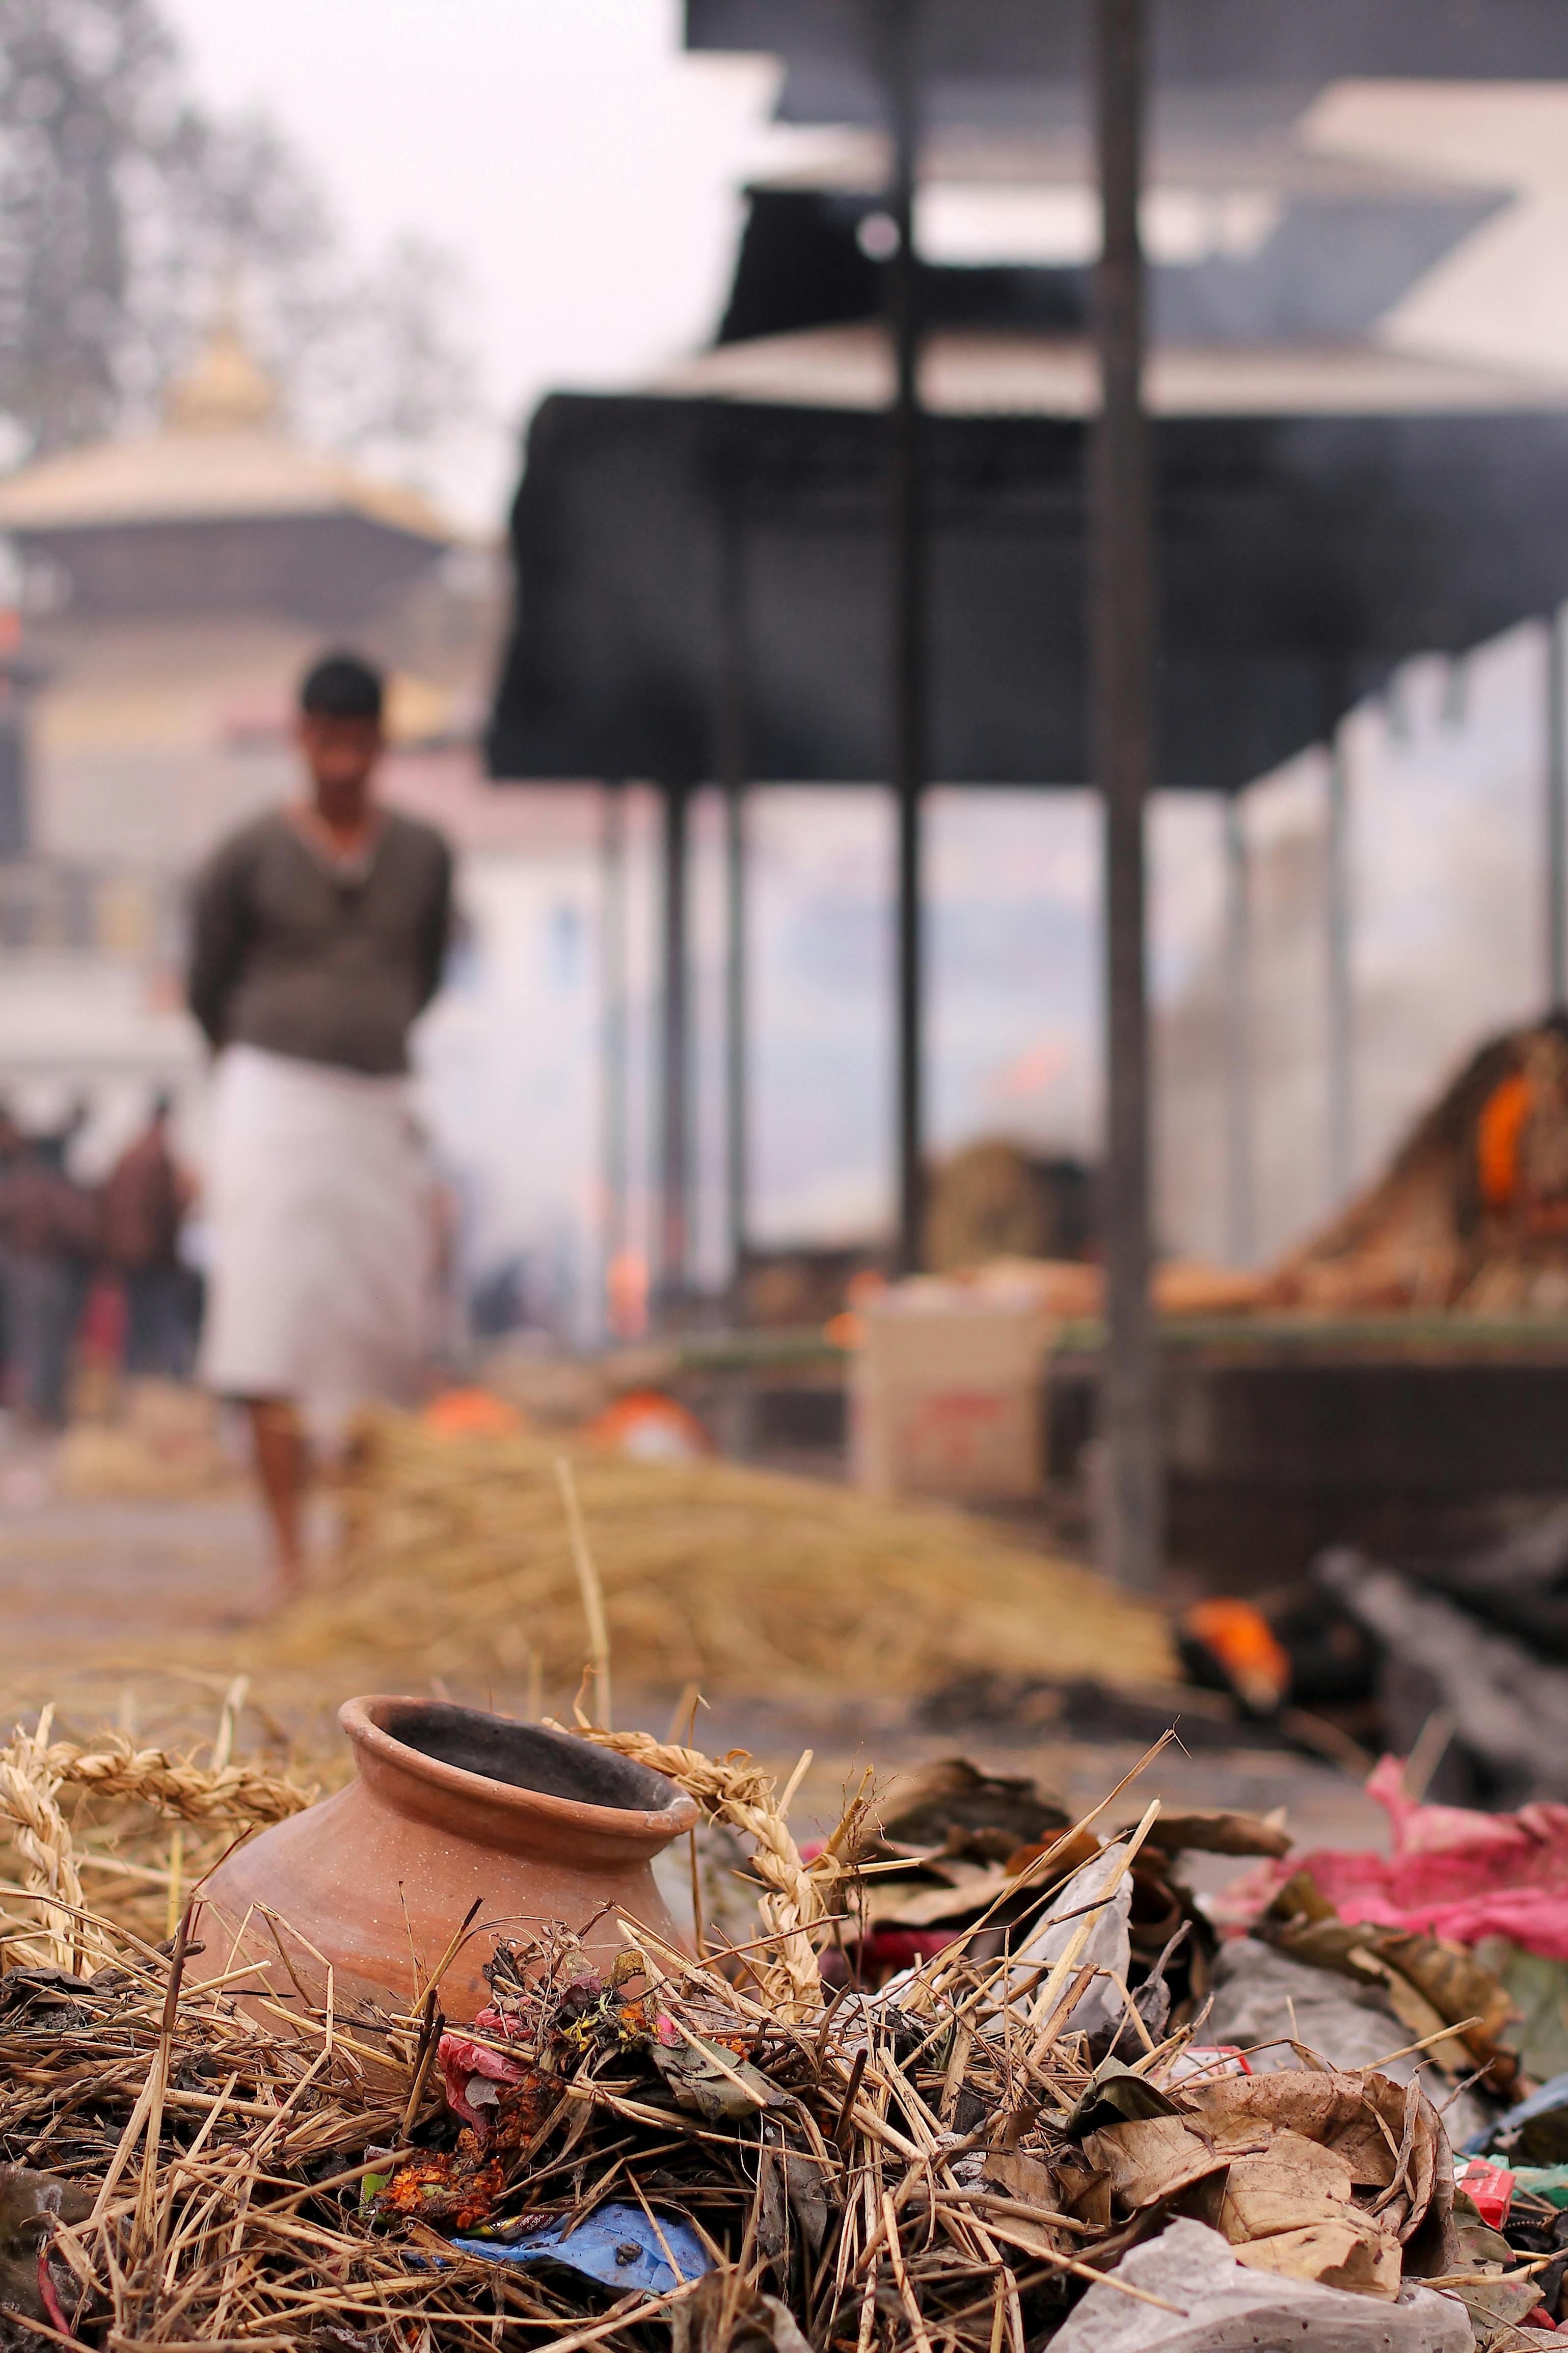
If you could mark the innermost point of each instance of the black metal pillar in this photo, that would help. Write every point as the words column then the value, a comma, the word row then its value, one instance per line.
column 674, row 1221
column 910, row 751
column 612, row 1027
column 1557, row 810
column 1121, row 642
column 735, row 1090
column 733, row 764
column 1341, row 995
column 1240, row 1189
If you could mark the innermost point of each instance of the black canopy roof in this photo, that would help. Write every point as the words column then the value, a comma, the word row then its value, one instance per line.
column 1302, row 557
column 1205, row 46
column 1308, row 542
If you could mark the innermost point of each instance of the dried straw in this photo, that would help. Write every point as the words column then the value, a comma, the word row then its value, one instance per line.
column 796, row 1898
column 458, row 1562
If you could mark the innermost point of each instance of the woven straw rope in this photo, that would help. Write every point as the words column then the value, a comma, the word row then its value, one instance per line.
column 795, row 1900
column 33, row 1772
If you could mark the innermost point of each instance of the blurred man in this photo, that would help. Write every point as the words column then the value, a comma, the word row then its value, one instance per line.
column 318, row 936
column 144, row 1202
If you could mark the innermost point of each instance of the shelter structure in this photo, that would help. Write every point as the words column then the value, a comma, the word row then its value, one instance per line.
column 990, row 64
column 796, row 595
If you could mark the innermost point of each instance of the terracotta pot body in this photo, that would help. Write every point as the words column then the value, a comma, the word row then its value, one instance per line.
column 449, row 1807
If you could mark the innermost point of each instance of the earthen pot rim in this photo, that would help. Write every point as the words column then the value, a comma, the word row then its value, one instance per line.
column 494, row 1813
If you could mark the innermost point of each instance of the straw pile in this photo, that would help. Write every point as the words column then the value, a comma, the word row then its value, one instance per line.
column 456, row 1562
column 715, row 2143
column 164, row 1445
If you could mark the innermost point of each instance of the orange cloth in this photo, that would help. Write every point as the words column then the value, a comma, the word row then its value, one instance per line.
column 1245, row 1645
column 1498, row 1133
column 473, row 1413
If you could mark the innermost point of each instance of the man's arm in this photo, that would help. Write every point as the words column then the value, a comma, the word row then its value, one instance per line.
column 221, row 926
column 437, row 929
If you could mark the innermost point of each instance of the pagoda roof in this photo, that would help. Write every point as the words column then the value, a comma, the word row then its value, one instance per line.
column 221, row 455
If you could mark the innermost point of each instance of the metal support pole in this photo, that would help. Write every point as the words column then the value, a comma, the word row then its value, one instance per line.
column 736, row 1092
column 733, row 762
column 1341, row 1009
column 675, row 1157
column 909, row 569
column 1122, row 642
column 613, row 1025
column 1240, row 1205
column 1557, row 810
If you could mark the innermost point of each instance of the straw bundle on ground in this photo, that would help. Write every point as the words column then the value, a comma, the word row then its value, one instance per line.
column 457, row 1562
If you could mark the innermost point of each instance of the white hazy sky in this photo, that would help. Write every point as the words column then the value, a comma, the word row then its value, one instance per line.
column 580, row 165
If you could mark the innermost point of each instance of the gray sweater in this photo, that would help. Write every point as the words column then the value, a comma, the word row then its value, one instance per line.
column 324, row 965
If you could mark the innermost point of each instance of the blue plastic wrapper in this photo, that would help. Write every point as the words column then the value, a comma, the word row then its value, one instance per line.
column 617, row 2246
column 1538, row 2128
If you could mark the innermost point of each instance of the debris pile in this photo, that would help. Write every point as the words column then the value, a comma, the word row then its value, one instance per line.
column 1025, row 2138
column 960, row 1852
column 457, row 1562
column 1460, row 1938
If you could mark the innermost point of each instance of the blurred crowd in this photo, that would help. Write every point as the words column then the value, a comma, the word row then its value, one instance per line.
column 91, row 1270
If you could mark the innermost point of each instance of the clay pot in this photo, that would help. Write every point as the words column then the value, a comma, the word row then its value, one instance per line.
column 450, row 1806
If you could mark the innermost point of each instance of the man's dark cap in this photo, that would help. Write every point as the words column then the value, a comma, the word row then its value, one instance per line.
column 341, row 686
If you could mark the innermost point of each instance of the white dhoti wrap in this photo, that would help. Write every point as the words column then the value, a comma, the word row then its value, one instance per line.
column 321, row 1235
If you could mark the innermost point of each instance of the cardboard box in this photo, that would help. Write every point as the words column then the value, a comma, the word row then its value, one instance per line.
column 945, row 1398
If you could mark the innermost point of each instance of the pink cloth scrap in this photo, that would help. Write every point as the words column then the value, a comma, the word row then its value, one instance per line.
column 1452, row 1873
column 472, row 2070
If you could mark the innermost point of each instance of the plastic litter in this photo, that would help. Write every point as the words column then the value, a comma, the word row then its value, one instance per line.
column 1273, row 2007
column 1537, row 2129
column 1220, row 2305
column 617, row 2245
column 1489, row 2187
column 760, row 2126
column 1107, row 1948
column 1206, row 2062
column 1453, row 1873
column 1547, row 2181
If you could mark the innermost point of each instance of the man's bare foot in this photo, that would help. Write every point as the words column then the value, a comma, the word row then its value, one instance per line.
column 283, row 1583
